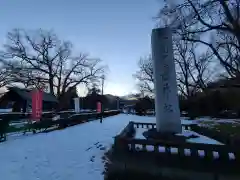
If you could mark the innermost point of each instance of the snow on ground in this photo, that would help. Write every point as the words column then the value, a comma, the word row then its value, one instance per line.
column 187, row 133
column 199, row 139
column 217, row 120
column 73, row 153
column 5, row 110
column 209, row 122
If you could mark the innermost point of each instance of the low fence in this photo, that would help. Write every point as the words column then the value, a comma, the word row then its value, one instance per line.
column 13, row 116
column 84, row 117
column 18, row 116
column 153, row 125
column 66, row 119
column 206, row 157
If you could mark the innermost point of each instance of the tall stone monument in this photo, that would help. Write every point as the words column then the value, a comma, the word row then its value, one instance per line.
column 165, row 85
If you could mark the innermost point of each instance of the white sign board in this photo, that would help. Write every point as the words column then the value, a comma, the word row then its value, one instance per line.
column 77, row 105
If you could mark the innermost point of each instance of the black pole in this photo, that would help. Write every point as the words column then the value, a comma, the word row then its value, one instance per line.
column 102, row 100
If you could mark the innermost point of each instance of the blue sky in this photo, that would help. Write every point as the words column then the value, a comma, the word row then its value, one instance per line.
column 118, row 32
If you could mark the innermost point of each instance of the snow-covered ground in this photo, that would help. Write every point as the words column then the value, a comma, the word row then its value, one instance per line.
column 5, row 110
column 209, row 122
column 186, row 133
column 216, row 120
column 73, row 153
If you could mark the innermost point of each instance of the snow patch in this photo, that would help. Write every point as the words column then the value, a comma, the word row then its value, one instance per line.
column 73, row 153
column 231, row 156
column 201, row 153
column 215, row 155
column 150, row 148
column 138, row 147
column 161, row 149
column 174, row 150
column 187, row 152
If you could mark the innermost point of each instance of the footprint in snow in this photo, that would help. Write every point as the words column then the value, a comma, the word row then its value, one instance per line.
column 96, row 143
column 92, row 158
column 103, row 148
column 99, row 146
column 89, row 148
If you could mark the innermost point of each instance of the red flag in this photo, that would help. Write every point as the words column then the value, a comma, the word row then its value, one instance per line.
column 37, row 96
column 99, row 107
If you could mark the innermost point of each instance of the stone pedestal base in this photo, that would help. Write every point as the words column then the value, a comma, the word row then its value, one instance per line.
column 155, row 135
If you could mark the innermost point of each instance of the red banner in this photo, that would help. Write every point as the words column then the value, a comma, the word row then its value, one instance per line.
column 37, row 96
column 99, row 107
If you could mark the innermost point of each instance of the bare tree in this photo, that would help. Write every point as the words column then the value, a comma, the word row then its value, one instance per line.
column 230, row 52
column 145, row 75
column 4, row 76
column 193, row 68
column 19, row 74
column 208, row 23
column 45, row 61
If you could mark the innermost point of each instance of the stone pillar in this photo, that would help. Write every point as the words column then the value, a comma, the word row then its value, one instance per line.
column 77, row 105
column 165, row 85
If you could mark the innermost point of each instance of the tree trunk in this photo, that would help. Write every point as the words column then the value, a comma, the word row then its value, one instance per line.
column 51, row 89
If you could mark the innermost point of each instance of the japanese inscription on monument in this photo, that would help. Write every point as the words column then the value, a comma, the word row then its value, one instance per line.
column 165, row 77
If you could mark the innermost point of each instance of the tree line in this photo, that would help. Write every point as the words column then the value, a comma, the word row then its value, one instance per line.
column 206, row 44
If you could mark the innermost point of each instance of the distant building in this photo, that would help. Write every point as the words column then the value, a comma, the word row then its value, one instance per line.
column 20, row 100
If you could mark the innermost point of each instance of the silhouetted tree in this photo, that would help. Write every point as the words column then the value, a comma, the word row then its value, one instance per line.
column 145, row 75
column 40, row 58
column 214, row 24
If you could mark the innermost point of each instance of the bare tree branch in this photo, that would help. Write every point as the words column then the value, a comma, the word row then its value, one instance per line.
column 40, row 59
column 200, row 19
